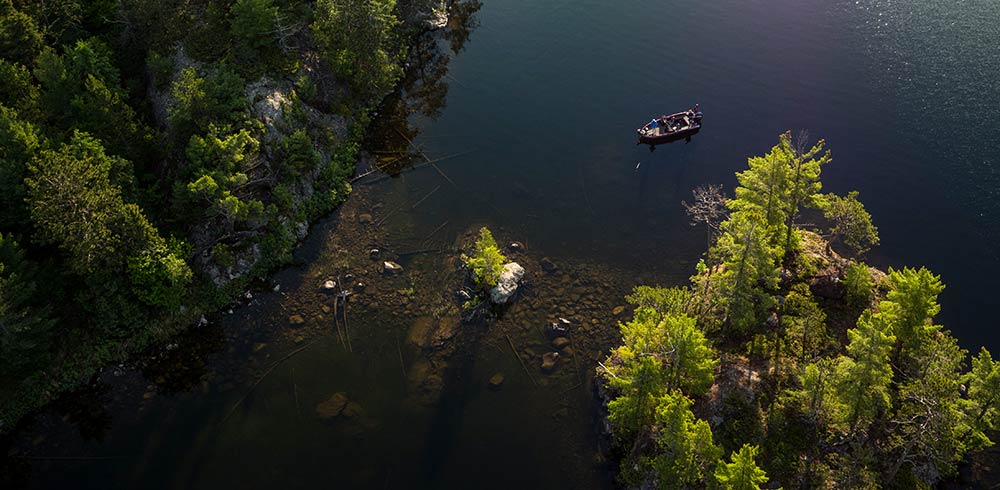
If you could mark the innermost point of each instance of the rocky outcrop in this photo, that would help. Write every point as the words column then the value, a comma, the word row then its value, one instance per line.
column 507, row 285
column 427, row 14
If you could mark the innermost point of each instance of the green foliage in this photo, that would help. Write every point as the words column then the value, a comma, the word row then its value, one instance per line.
column 858, row 285
column 763, row 190
column 297, row 154
column 20, row 38
column 26, row 322
column 199, row 103
column 804, row 184
column 358, row 38
column 850, row 223
column 864, row 374
column 930, row 433
column 76, row 204
column 912, row 304
column 161, row 68
column 893, row 407
column 749, row 272
column 17, row 87
column 660, row 352
column 983, row 383
column 817, row 397
column 655, row 302
column 742, row 473
column 160, row 276
column 222, row 161
column 686, row 450
column 80, row 92
column 486, row 261
column 19, row 141
column 804, row 322
column 252, row 25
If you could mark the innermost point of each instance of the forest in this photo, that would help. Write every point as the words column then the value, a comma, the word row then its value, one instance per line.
column 784, row 361
column 155, row 156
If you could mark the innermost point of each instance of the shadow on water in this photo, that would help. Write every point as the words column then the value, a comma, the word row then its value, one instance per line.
column 445, row 424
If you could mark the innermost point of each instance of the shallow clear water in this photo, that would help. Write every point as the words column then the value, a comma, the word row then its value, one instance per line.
column 545, row 97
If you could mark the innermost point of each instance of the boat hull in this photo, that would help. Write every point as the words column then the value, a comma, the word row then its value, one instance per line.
column 668, row 137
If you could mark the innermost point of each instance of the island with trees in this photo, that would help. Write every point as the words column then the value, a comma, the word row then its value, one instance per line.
column 784, row 361
column 156, row 156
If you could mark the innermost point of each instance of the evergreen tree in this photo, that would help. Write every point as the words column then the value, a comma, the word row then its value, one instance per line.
column 742, row 473
column 749, row 269
column 20, row 38
column 864, row 375
column 199, row 103
column 26, row 323
column 19, row 141
column 983, row 383
column 804, row 185
column 357, row 37
column 850, row 222
column 764, row 189
column 685, row 444
column 76, row 205
column 928, row 428
column 688, row 360
column 486, row 261
column 252, row 26
column 912, row 304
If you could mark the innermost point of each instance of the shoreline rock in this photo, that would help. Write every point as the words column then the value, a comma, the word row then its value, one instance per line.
column 508, row 283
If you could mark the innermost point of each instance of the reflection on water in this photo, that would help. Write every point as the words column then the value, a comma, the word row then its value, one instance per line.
column 388, row 389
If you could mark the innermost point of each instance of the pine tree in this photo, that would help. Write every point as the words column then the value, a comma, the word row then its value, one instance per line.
column 19, row 141
column 864, row 375
column 983, row 383
column 26, row 323
column 804, row 184
column 685, row 443
column 76, row 205
column 742, row 473
column 930, row 428
column 912, row 305
column 764, row 189
column 850, row 223
column 749, row 269
column 357, row 37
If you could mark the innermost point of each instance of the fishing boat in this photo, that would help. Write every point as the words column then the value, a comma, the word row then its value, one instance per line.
column 666, row 129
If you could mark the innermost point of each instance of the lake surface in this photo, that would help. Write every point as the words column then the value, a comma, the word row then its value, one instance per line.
column 540, row 105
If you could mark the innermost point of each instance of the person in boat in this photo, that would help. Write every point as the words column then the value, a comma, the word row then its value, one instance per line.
column 653, row 124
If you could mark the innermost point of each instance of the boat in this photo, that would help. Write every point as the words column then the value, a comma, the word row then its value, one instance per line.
column 666, row 129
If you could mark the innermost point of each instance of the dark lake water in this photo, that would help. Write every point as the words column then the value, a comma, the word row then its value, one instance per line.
column 541, row 104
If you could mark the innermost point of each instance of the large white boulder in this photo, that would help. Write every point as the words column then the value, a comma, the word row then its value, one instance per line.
column 507, row 285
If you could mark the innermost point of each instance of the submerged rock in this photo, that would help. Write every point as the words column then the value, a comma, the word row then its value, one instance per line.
column 390, row 267
column 352, row 410
column 296, row 320
column 560, row 342
column 332, row 407
column 618, row 310
column 507, row 285
column 549, row 360
column 557, row 329
column 496, row 381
